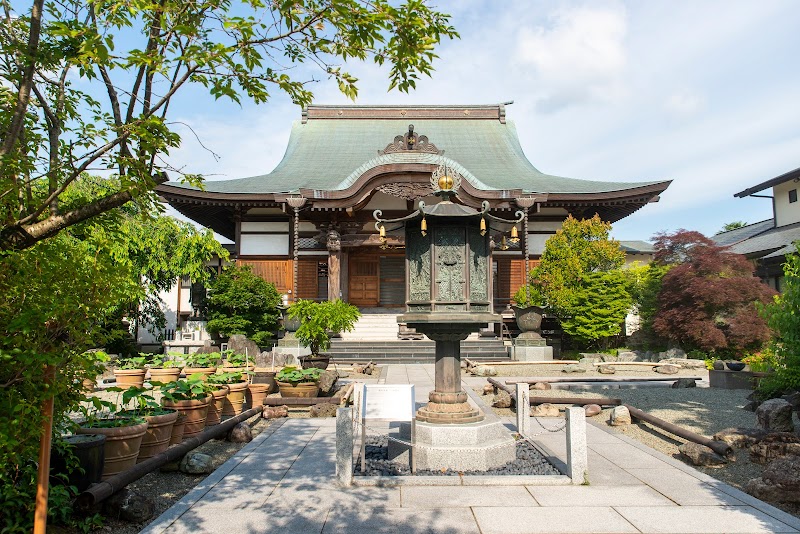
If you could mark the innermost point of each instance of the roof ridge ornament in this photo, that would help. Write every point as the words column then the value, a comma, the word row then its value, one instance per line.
column 411, row 141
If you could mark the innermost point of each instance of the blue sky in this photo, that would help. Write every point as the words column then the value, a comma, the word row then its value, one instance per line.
column 703, row 93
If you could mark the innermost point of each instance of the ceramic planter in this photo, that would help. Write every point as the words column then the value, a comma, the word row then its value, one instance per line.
column 89, row 450
column 256, row 393
column 241, row 369
column 164, row 375
column 265, row 375
column 215, row 408
column 157, row 438
column 234, row 402
column 177, row 429
column 204, row 371
column 196, row 412
column 303, row 389
column 529, row 319
column 320, row 362
column 129, row 377
column 121, row 447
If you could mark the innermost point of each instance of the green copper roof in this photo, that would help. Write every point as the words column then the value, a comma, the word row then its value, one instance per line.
column 330, row 154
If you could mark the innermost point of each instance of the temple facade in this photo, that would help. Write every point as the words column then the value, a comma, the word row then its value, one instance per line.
column 308, row 226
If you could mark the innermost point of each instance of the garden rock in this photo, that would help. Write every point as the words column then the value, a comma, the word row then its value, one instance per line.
column 573, row 368
column 684, row 383
column 775, row 415
column 609, row 358
column 370, row 368
column 793, row 399
column 207, row 348
column 628, row 356
column 196, row 463
column 672, row 353
column 540, row 386
column 606, row 369
column 739, row 438
column 774, row 446
column 684, row 363
column 488, row 389
column 667, row 369
column 780, row 481
column 264, row 359
column 327, row 381
column 620, row 416
column 719, row 365
column 592, row 409
column 241, row 433
column 129, row 505
column 502, row 400
column 275, row 412
column 701, row 455
column 323, row 410
column 545, row 410
column 240, row 344
column 591, row 357
column 484, row 370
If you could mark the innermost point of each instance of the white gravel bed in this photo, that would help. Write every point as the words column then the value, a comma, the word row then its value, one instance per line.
column 622, row 371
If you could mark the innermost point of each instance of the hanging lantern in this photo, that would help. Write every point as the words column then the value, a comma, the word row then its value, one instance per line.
column 383, row 231
column 514, row 234
column 483, row 226
column 424, row 226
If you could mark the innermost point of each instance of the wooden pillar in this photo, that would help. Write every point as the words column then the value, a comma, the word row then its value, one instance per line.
column 334, row 245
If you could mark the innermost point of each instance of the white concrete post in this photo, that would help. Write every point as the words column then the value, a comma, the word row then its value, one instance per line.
column 523, row 409
column 344, row 446
column 577, row 455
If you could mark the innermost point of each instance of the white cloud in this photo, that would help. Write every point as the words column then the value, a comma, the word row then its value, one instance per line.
column 579, row 55
column 684, row 103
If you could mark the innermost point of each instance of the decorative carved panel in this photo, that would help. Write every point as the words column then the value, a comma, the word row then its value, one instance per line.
column 407, row 190
column 418, row 252
column 478, row 266
column 450, row 264
column 411, row 141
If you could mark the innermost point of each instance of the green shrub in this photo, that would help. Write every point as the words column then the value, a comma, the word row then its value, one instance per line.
column 319, row 319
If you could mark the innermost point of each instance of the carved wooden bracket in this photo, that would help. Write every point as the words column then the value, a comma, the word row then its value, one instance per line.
column 411, row 141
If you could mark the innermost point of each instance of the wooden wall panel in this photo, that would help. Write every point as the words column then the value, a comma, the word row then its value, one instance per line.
column 279, row 272
column 510, row 277
column 307, row 278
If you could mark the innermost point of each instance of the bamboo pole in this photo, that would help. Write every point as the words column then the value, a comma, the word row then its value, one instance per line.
column 720, row 447
column 43, row 475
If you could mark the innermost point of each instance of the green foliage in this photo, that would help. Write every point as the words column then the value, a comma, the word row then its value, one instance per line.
column 225, row 378
column 735, row 225
column 295, row 375
column 233, row 359
column 530, row 295
column 319, row 319
column 101, row 76
column 193, row 388
column 199, row 360
column 783, row 317
column 131, row 362
column 644, row 285
column 579, row 248
column 240, row 302
column 162, row 361
column 599, row 308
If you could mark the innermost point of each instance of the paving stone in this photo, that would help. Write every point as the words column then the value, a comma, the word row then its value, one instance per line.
column 420, row 497
column 701, row 519
column 596, row 495
column 366, row 521
column 626, row 456
column 575, row 519
column 683, row 488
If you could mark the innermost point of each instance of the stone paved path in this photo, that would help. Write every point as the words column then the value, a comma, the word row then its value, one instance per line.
column 283, row 482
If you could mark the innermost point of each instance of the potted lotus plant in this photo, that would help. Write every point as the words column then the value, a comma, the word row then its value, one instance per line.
column 318, row 320
column 202, row 364
column 190, row 397
column 235, row 362
column 529, row 308
column 219, row 383
column 140, row 402
column 130, row 370
column 297, row 382
column 237, row 386
column 164, row 367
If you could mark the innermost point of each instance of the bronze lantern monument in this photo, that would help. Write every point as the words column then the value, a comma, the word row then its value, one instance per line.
column 448, row 297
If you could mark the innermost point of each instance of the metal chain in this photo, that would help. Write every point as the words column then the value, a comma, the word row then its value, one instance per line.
column 553, row 430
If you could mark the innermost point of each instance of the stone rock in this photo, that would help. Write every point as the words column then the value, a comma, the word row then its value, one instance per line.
column 752, row 406
column 545, row 410
column 196, row 463
column 240, row 344
column 129, row 505
column 241, row 433
column 488, row 389
column 620, row 416
column 540, row 386
column 628, row 356
column 264, row 359
column 793, row 398
column 780, row 481
column 592, row 409
column 685, row 363
column 591, row 357
column 606, row 369
column 324, row 410
column 207, row 348
column 370, row 368
column 609, row 358
column 701, row 455
column 672, row 353
column 573, row 368
column 774, row 446
column 275, row 412
column 502, row 400
column 358, row 369
column 719, row 365
column 327, row 381
column 667, row 369
column 739, row 438
column 484, row 370
column 684, row 383
column 775, row 415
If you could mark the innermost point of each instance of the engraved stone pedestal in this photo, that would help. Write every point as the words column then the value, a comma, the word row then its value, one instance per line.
column 292, row 348
column 531, row 347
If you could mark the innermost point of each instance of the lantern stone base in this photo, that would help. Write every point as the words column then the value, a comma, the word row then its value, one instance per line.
column 532, row 354
column 462, row 412
column 291, row 347
column 467, row 447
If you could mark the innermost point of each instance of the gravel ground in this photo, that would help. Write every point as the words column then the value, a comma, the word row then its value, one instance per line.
column 701, row 410
column 557, row 370
column 529, row 462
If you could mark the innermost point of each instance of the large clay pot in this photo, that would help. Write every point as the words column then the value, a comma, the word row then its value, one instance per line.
column 529, row 319
column 159, row 433
column 303, row 389
column 129, row 377
column 318, row 362
column 215, row 408
column 265, row 375
column 234, row 402
column 196, row 412
column 177, row 429
column 241, row 369
column 164, row 375
column 256, row 393
column 89, row 451
column 121, row 447
column 204, row 371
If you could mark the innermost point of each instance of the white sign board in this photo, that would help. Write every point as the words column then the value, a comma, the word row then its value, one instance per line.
column 388, row 402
